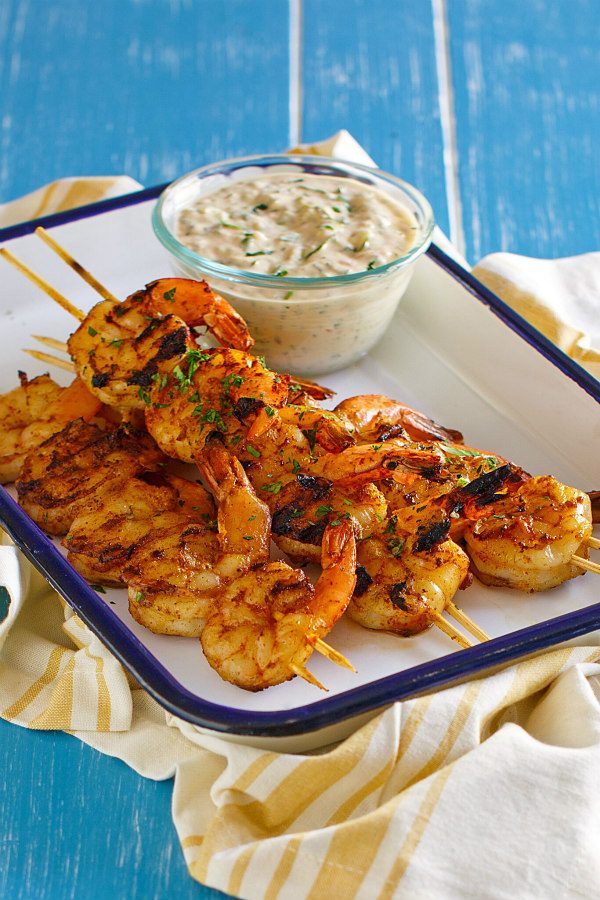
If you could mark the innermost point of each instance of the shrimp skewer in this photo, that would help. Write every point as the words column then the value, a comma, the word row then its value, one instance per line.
column 35, row 410
column 532, row 539
column 408, row 575
column 268, row 622
column 63, row 475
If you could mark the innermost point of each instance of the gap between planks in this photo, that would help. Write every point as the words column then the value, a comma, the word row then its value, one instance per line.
column 448, row 123
column 295, row 85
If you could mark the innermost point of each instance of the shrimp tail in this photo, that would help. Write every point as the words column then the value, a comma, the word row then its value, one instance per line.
column 335, row 585
column 197, row 304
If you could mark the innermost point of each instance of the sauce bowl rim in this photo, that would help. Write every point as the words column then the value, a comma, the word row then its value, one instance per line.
column 312, row 164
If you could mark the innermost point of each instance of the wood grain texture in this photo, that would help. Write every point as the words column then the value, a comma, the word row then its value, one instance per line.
column 527, row 101
column 370, row 68
column 77, row 824
column 149, row 88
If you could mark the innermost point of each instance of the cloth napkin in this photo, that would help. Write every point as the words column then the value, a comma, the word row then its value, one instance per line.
column 486, row 790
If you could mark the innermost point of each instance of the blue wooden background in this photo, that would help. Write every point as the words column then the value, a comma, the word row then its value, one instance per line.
column 491, row 107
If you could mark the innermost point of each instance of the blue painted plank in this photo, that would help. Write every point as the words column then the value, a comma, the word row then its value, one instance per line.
column 526, row 82
column 370, row 68
column 75, row 823
column 150, row 88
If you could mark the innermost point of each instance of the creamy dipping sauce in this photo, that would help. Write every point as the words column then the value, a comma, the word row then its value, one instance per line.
column 301, row 227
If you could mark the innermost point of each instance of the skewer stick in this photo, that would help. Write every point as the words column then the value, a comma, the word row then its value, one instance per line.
column 593, row 542
column 308, row 676
column 73, row 264
column 334, row 655
column 43, row 285
column 586, row 564
column 53, row 360
column 450, row 630
column 321, row 646
column 51, row 342
column 463, row 619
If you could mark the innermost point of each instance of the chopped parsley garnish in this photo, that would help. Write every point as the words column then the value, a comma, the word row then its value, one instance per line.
column 396, row 546
column 272, row 488
column 99, row 588
column 260, row 206
column 270, row 411
column 229, row 380
column 323, row 510
column 458, row 451
column 92, row 331
column 391, row 525
column 215, row 418
column 116, row 342
column 170, row 295
column 315, row 249
column 253, row 451
column 311, row 436
column 160, row 381
column 139, row 596
column 120, row 311
column 295, row 466
column 259, row 253
column 371, row 265
column 144, row 395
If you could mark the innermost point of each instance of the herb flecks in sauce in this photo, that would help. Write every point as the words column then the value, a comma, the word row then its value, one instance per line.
column 309, row 227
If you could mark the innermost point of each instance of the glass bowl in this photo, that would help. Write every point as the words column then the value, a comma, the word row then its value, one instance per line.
column 308, row 326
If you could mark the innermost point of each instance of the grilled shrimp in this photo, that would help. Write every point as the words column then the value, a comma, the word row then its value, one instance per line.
column 304, row 507
column 527, row 539
column 268, row 620
column 102, row 539
column 197, row 304
column 177, row 574
column 363, row 458
column 120, row 349
column 376, row 417
column 31, row 413
column 407, row 573
column 65, row 472
column 210, row 390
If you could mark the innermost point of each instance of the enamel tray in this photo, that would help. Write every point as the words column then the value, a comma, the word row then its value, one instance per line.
column 455, row 351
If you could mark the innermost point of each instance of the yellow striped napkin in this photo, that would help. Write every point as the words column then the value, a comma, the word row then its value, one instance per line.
column 66, row 193
column 488, row 789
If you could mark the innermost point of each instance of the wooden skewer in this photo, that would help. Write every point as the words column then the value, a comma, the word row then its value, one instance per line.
column 321, row 646
column 308, row 676
column 43, row 285
column 586, row 564
column 593, row 542
column 463, row 619
column 73, row 264
column 54, row 360
column 451, row 631
column 334, row 655
column 51, row 342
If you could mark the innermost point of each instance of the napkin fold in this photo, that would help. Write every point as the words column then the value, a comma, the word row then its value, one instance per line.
column 488, row 789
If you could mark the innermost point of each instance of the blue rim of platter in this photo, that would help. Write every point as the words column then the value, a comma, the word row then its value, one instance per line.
column 172, row 695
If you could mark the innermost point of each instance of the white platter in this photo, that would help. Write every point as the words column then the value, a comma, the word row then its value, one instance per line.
column 447, row 353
